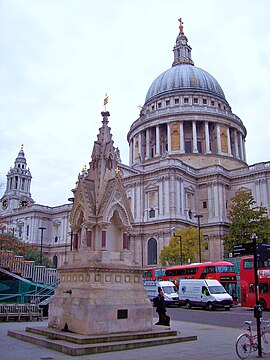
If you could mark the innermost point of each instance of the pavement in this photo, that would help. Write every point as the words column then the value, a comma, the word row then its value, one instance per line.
column 213, row 343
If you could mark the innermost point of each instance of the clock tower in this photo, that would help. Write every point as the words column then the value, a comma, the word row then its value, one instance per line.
column 17, row 193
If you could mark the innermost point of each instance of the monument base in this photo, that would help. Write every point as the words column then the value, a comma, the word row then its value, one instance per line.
column 100, row 300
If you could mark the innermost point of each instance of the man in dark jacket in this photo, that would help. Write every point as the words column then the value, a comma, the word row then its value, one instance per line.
column 161, row 309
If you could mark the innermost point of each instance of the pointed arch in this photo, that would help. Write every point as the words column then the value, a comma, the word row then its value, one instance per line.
column 121, row 212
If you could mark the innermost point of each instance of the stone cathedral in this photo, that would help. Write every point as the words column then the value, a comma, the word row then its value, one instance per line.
column 186, row 158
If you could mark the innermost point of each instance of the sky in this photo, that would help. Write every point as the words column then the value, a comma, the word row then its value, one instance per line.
column 60, row 57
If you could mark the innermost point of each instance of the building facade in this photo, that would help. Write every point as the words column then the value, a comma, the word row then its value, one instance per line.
column 21, row 216
column 186, row 158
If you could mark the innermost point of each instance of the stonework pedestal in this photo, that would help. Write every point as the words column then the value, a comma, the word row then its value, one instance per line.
column 100, row 299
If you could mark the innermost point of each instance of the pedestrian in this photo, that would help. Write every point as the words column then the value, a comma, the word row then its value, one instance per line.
column 161, row 309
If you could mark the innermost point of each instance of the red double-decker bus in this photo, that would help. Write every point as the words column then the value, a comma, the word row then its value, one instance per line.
column 247, row 282
column 223, row 271
column 153, row 273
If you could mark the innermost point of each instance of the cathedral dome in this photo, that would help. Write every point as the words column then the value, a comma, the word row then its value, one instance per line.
column 182, row 78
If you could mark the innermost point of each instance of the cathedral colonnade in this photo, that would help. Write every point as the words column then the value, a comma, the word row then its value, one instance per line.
column 187, row 137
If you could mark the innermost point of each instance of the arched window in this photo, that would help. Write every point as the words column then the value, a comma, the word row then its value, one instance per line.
column 152, row 251
column 152, row 213
column 55, row 261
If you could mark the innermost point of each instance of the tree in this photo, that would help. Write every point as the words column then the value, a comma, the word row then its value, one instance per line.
column 190, row 248
column 30, row 252
column 246, row 219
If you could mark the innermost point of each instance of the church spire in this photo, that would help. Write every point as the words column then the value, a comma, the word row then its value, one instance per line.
column 104, row 159
column 181, row 50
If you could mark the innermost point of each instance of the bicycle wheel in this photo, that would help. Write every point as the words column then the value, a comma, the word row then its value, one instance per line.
column 266, row 342
column 243, row 346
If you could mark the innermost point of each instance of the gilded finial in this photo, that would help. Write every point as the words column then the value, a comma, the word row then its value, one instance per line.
column 181, row 26
column 21, row 147
column 117, row 170
column 105, row 101
column 84, row 170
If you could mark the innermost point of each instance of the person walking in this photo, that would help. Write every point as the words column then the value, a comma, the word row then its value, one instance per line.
column 161, row 309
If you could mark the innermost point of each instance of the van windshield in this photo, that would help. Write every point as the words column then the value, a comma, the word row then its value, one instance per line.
column 217, row 290
column 168, row 289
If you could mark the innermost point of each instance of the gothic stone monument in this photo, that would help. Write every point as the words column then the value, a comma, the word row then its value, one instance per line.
column 100, row 289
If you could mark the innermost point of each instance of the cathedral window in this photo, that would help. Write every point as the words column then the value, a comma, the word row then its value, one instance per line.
column 188, row 148
column 176, row 101
column 195, row 100
column 20, row 230
column 204, row 204
column 152, row 251
column 205, row 101
column 212, row 102
column 151, row 213
column 167, row 102
column 186, row 100
column 153, row 107
column 159, row 105
column 27, row 230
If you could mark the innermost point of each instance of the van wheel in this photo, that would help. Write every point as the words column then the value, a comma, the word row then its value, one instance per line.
column 188, row 306
column 209, row 306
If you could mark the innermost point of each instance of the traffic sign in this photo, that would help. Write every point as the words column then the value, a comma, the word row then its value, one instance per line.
column 263, row 251
column 243, row 249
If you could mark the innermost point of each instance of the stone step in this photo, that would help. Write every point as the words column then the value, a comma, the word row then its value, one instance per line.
column 76, row 349
column 86, row 339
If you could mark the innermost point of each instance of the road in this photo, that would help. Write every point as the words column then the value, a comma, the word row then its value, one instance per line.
column 234, row 318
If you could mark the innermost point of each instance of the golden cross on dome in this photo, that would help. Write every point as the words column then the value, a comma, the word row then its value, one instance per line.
column 117, row 170
column 181, row 26
column 22, row 147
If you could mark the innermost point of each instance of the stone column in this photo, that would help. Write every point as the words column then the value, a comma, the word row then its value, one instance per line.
column 131, row 152
column 229, row 142
column 169, row 138
column 244, row 149
column 194, row 136
column 236, row 144
column 241, row 147
column 207, row 142
column 140, row 146
column 218, row 139
column 182, row 138
column 157, row 141
column 160, row 197
column 147, row 144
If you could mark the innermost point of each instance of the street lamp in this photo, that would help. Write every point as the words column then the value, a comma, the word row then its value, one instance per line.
column 41, row 243
column 198, row 217
column 180, row 242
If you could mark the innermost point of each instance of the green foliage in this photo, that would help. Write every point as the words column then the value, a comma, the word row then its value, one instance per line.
column 246, row 219
column 8, row 242
column 170, row 255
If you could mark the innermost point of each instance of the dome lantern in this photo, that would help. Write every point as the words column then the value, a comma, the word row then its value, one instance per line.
column 181, row 50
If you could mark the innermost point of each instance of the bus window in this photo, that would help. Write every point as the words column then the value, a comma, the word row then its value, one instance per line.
column 263, row 288
column 251, row 289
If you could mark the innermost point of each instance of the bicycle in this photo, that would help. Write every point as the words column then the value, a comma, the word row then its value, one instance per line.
column 247, row 342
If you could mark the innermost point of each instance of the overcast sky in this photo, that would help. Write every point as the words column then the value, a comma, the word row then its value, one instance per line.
column 60, row 57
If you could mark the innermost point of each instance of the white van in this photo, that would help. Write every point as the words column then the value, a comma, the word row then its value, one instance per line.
column 169, row 290
column 209, row 294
